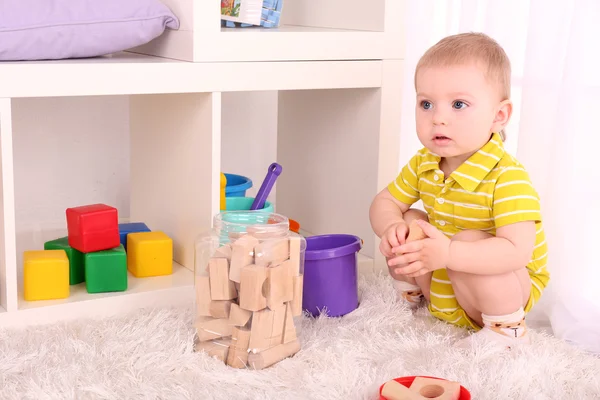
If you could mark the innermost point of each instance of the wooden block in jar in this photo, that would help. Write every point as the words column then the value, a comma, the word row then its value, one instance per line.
column 221, row 288
column 223, row 252
column 218, row 348
column 297, row 300
column 279, row 320
column 289, row 328
column 272, row 252
column 212, row 328
column 261, row 330
column 238, row 316
column 238, row 350
column 273, row 355
column 252, row 297
column 202, row 288
column 280, row 285
column 220, row 308
column 295, row 252
column 242, row 254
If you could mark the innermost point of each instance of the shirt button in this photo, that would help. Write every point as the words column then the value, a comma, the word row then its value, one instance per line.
column 442, row 223
column 440, row 201
column 436, row 178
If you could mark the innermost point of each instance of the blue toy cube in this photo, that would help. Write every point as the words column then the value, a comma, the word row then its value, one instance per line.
column 131, row 227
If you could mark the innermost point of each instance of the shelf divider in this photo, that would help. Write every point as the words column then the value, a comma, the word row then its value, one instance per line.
column 8, row 257
column 172, row 177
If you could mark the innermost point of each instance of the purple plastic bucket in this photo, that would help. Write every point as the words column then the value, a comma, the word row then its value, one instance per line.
column 331, row 274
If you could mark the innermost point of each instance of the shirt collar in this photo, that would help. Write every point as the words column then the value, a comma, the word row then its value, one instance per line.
column 470, row 174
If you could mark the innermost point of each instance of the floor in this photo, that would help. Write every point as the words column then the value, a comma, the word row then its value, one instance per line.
column 149, row 355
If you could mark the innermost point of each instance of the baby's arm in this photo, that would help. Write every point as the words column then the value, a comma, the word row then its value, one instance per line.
column 510, row 250
column 386, row 211
column 515, row 209
column 394, row 200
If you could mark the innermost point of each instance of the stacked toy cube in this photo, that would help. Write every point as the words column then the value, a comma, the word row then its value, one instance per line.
column 98, row 251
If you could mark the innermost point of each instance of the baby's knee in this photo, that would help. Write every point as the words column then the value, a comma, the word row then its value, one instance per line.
column 471, row 235
column 413, row 213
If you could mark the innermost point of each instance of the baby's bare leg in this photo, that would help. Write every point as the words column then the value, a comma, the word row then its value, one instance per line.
column 489, row 295
column 423, row 281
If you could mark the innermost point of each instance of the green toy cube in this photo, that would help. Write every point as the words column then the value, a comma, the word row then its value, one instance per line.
column 106, row 270
column 76, row 259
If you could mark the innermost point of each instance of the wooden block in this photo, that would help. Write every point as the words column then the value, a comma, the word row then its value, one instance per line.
column 393, row 390
column 212, row 328
column 223, row 252
column 272, row 252
column 240, row 338
column 273, row 355
column 439, row 389
column 261, row 330
column 278, row 325
column 238, row 316
column 415, row 232
column 242, row 254
column 221, row 288
column 218, row 348
column 295, row 242
column 252, row 279
column 297, row 300
column 289, row 328
column 280, row 285
column 238, row 350
column 220, row 308
column 202, row 288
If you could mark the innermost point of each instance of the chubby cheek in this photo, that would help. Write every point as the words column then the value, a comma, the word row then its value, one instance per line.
column 423, row 124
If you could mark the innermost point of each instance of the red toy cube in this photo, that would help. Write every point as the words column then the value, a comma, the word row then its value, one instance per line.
column 93, row 227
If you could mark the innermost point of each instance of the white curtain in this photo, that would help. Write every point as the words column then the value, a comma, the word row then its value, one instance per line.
column 554, row 49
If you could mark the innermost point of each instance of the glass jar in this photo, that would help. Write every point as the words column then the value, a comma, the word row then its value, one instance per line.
column 248, row 272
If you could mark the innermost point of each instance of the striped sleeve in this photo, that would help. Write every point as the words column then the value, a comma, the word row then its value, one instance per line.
column 515, row 198
column 405, row 187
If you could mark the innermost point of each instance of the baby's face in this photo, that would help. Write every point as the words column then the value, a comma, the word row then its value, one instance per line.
column 456, row 109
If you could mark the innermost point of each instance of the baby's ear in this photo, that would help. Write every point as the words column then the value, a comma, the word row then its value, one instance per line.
column 503, row 114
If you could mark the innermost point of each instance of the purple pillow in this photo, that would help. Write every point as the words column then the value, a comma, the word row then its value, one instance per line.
column 57, row 29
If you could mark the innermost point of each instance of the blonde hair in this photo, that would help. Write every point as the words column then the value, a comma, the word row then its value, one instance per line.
column 466, row 47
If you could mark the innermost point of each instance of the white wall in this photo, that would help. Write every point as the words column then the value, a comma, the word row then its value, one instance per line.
column 68, row 152
column 249, row 136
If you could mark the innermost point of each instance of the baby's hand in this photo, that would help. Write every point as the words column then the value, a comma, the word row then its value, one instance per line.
column 422, row 256
column 394, row 236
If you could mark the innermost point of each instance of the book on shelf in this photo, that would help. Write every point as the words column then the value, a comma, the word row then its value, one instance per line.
column 245, row 13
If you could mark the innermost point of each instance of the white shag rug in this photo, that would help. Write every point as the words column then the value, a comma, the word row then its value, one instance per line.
column 149, row 355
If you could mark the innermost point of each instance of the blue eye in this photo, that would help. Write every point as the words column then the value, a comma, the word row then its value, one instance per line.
column 459, row 104
column 426, row 104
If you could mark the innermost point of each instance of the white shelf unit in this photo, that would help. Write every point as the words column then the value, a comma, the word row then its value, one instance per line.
column 338, row 124
column 309, row 30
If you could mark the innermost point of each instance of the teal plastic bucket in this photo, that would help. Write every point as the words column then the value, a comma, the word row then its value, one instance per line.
column 238, row 212
column 244, row 203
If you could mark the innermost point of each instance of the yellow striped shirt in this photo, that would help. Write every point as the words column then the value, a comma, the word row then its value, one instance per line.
column 489, row 190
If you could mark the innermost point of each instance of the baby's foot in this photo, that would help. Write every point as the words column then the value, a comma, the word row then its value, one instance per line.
column 506, row 330
column 410, row 293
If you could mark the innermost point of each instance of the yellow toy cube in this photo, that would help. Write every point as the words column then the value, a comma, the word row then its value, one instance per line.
column 45, row 275
column 149, row 254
